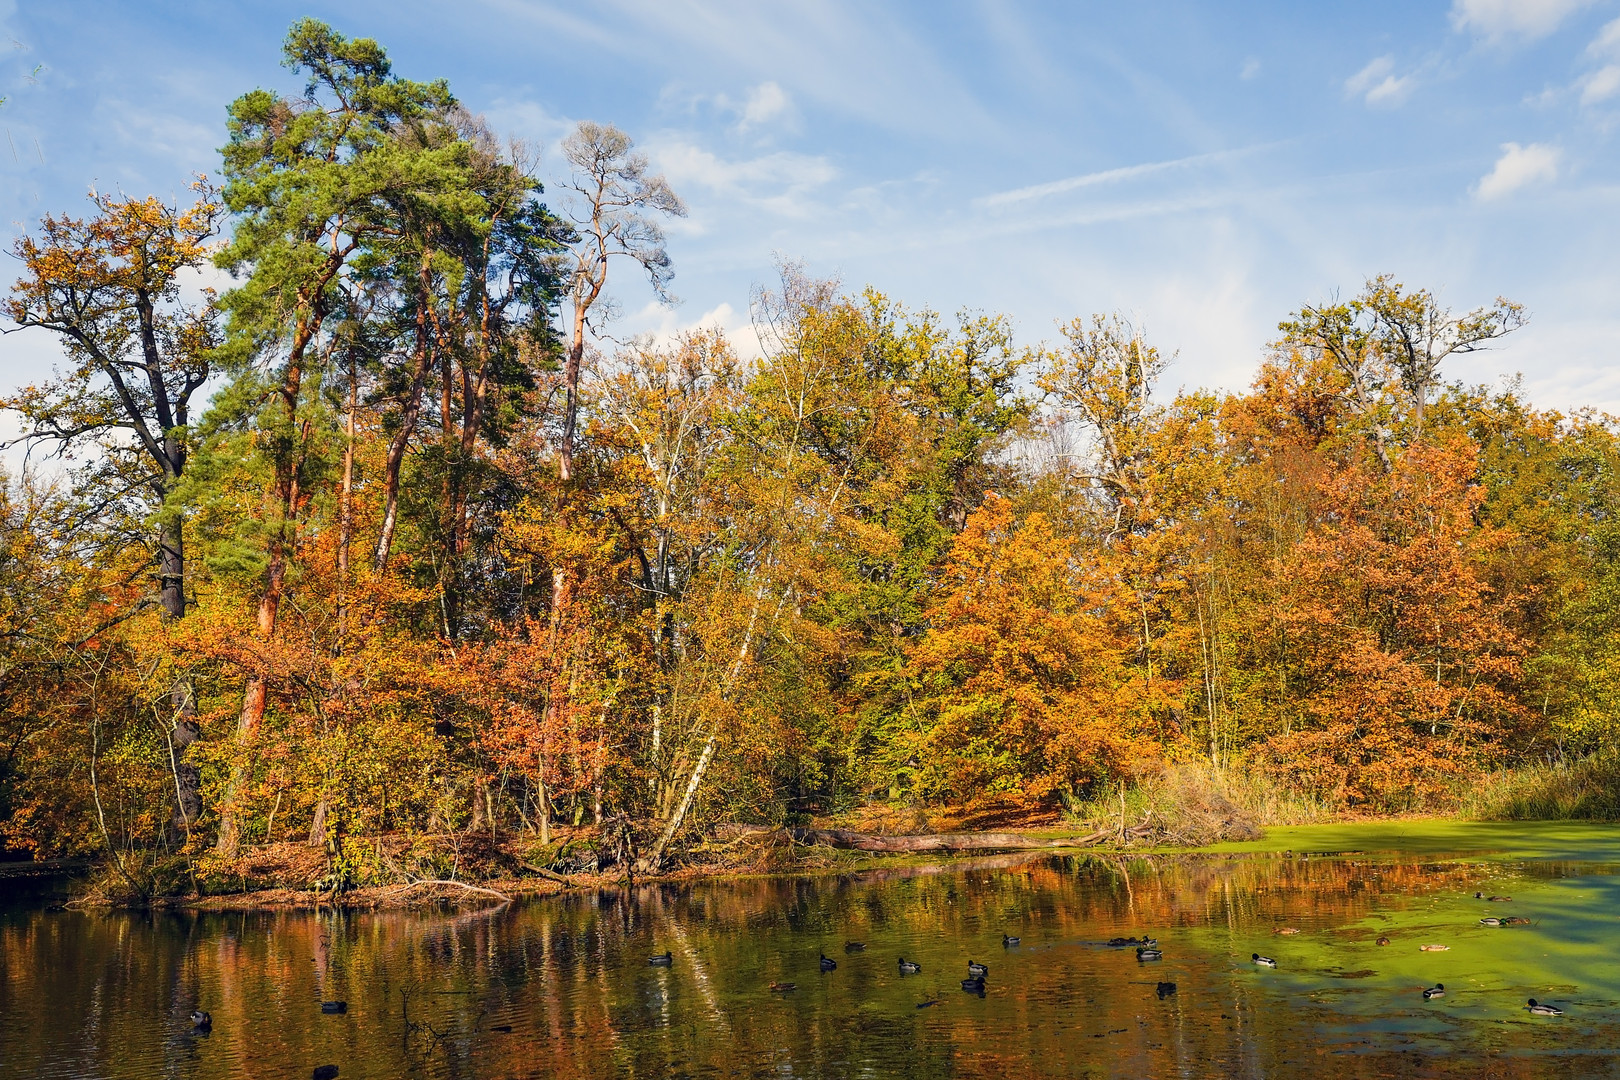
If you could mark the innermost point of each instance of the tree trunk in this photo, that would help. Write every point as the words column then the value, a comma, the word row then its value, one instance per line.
column 576, row 353
column 252, row 714
column 172, row 595
column 407, row 424
column 317, row 827
column 655, row 857
column 187, row 777
column 346, row 506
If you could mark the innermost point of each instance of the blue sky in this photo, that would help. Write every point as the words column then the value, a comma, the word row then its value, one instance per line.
column 1204, row 168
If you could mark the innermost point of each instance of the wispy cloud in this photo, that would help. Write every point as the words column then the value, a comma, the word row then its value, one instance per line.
column 1600, row 85
column 1607, row 43
column 1499, row 20
column 1377, row 83
column 1519, row 167
column 764, row 103
column 1107, row 176
column 779, row 182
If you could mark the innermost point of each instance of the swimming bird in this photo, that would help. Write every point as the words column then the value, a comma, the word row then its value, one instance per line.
column 1515, row 920
column 1263, row 961
column 1490, row 922
column 977, row 970
column 1537, row 1009
column 854, row 946
column 1008, row 942
column 1493, row 899
column 1434, row 948
column 201, row 1020
column 1149, row 954
column 1129, row 942
column 827, row 963
column 909, row 968
column 974, row 986
column 661, row 961
column 1438, row 990
column 1383, row 939
column 1165, row 989
column 782, row 987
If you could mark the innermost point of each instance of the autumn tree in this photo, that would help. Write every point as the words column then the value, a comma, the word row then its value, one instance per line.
column 614, row 195
column 110, row 288
column 309, row 180
column 1021, row 690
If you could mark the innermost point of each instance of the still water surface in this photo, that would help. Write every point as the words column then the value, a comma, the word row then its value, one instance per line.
column 432, row 994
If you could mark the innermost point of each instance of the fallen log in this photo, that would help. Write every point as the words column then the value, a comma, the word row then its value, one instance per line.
column 549, row 875
column 918, row 842
column 400, row 889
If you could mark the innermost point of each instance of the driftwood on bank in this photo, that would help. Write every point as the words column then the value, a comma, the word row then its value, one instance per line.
column 457, row 884
column 963, row 841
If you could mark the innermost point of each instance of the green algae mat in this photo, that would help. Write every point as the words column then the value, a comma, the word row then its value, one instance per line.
column 1572, row 840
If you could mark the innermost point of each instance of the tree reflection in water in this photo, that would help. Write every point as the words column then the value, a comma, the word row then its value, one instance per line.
column 562, row 987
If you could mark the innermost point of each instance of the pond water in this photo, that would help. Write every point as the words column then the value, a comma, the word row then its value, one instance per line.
column 562, row 987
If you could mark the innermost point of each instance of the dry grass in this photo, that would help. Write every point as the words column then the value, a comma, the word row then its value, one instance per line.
column 1587, row 789
column 1192, row 803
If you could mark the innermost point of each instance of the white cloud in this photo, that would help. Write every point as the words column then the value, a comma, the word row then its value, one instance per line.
column 1607, row 43
column 1500, row 19
column 1519, row 166
column 1601, row 85
column 1251, row 69
column 1378, row 84
column 764, row 103
column 779, row 181
column 664, row 325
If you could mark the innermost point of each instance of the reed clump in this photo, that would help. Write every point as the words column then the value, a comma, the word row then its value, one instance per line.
column 1193, row 803
column 1580, row 789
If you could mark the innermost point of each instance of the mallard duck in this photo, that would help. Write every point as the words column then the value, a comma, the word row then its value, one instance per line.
column 1383, row 939
column 1008, row 942
column 977, row 970
column 1535, row 1008
column 1515, row 920
column 1493, row 899
column 974, row 986
column 828, row 963
column 1438, row 990
column 1285, row 930
column 1263, row 961
column 909, row 968
column 1490, row 922
column 783, row 987
column 1132, row 942
column 854, row 946
column 201, row 1020
column 1434, row 948
column 1149, row 954
column 1165, row 989
column 661, row 961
